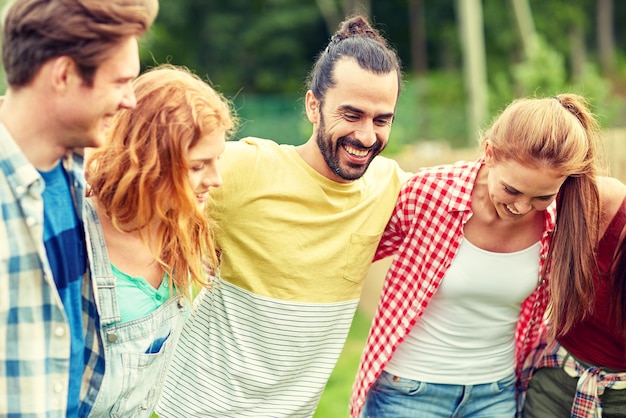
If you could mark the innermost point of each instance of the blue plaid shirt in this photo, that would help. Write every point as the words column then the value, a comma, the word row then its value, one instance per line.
column 34, row 334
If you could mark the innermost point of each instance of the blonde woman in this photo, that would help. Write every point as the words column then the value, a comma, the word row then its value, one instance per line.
column 463, row 300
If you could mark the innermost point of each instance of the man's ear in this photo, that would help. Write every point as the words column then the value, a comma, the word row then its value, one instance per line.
column 63, row 73
column 312, row 106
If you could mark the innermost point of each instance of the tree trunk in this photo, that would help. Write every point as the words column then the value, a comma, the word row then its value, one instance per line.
column 474, row 67
column 525, row 25
column 578, row 54
column 331, row 13
column 361, row 7
column 334, row 13
column 417, row 27
column 606, row 41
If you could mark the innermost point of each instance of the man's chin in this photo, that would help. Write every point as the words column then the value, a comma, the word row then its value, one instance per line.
column 353, row 173
column 94, row 141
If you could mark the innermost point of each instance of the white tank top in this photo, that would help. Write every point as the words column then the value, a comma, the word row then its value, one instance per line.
column 466, row 335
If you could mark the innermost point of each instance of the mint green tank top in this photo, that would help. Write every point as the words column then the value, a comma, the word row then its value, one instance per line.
column 136, row 298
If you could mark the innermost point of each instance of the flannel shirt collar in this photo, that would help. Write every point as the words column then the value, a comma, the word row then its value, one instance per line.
column 21, row 174
column 460, row 196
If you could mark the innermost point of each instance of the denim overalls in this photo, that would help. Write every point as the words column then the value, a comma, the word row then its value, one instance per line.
column 136, row 352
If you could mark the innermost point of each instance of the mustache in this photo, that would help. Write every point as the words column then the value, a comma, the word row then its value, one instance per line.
column 347, row 140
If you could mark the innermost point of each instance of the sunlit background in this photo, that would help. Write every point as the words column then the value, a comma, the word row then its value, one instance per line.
column 463, row 61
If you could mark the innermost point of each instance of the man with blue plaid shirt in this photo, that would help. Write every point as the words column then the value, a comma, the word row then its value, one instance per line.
column 69, row 66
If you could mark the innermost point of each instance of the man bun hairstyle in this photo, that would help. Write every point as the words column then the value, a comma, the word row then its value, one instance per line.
column 358, row 40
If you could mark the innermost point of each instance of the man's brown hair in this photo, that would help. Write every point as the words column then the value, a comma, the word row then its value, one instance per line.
column 36, row 31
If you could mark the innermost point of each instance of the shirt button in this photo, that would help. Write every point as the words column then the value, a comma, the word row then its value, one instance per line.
column 19, row 190
column 111, row 337
column 31, row 221
column 59, row 331
column 58, row 387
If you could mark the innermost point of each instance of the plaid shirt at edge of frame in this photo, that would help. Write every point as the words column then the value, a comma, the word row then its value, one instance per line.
column 21, row 177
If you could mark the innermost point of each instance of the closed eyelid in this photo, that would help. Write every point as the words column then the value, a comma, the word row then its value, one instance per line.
column 353, row 110
column 513, row 191
column 126, row 80
column 387, row 116
column 546, row 197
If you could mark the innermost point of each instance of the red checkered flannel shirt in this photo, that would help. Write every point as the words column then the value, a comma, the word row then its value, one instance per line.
column 424, row 233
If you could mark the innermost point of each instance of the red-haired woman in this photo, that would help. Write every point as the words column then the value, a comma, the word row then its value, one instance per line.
column 148, row 232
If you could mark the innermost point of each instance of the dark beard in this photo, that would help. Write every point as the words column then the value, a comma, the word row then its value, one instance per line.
column 331, row 153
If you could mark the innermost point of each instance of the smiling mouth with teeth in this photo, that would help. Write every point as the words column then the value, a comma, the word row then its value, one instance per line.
column 513, row 211
column 356, row 152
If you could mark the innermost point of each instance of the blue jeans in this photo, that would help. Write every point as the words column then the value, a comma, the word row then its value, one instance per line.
column 396, row 397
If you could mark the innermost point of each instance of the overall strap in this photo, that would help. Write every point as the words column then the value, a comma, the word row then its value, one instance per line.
column 102, row 275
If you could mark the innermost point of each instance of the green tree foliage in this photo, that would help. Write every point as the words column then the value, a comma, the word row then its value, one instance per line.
column 261, row 46
column 547, row 69
column 266, row 47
